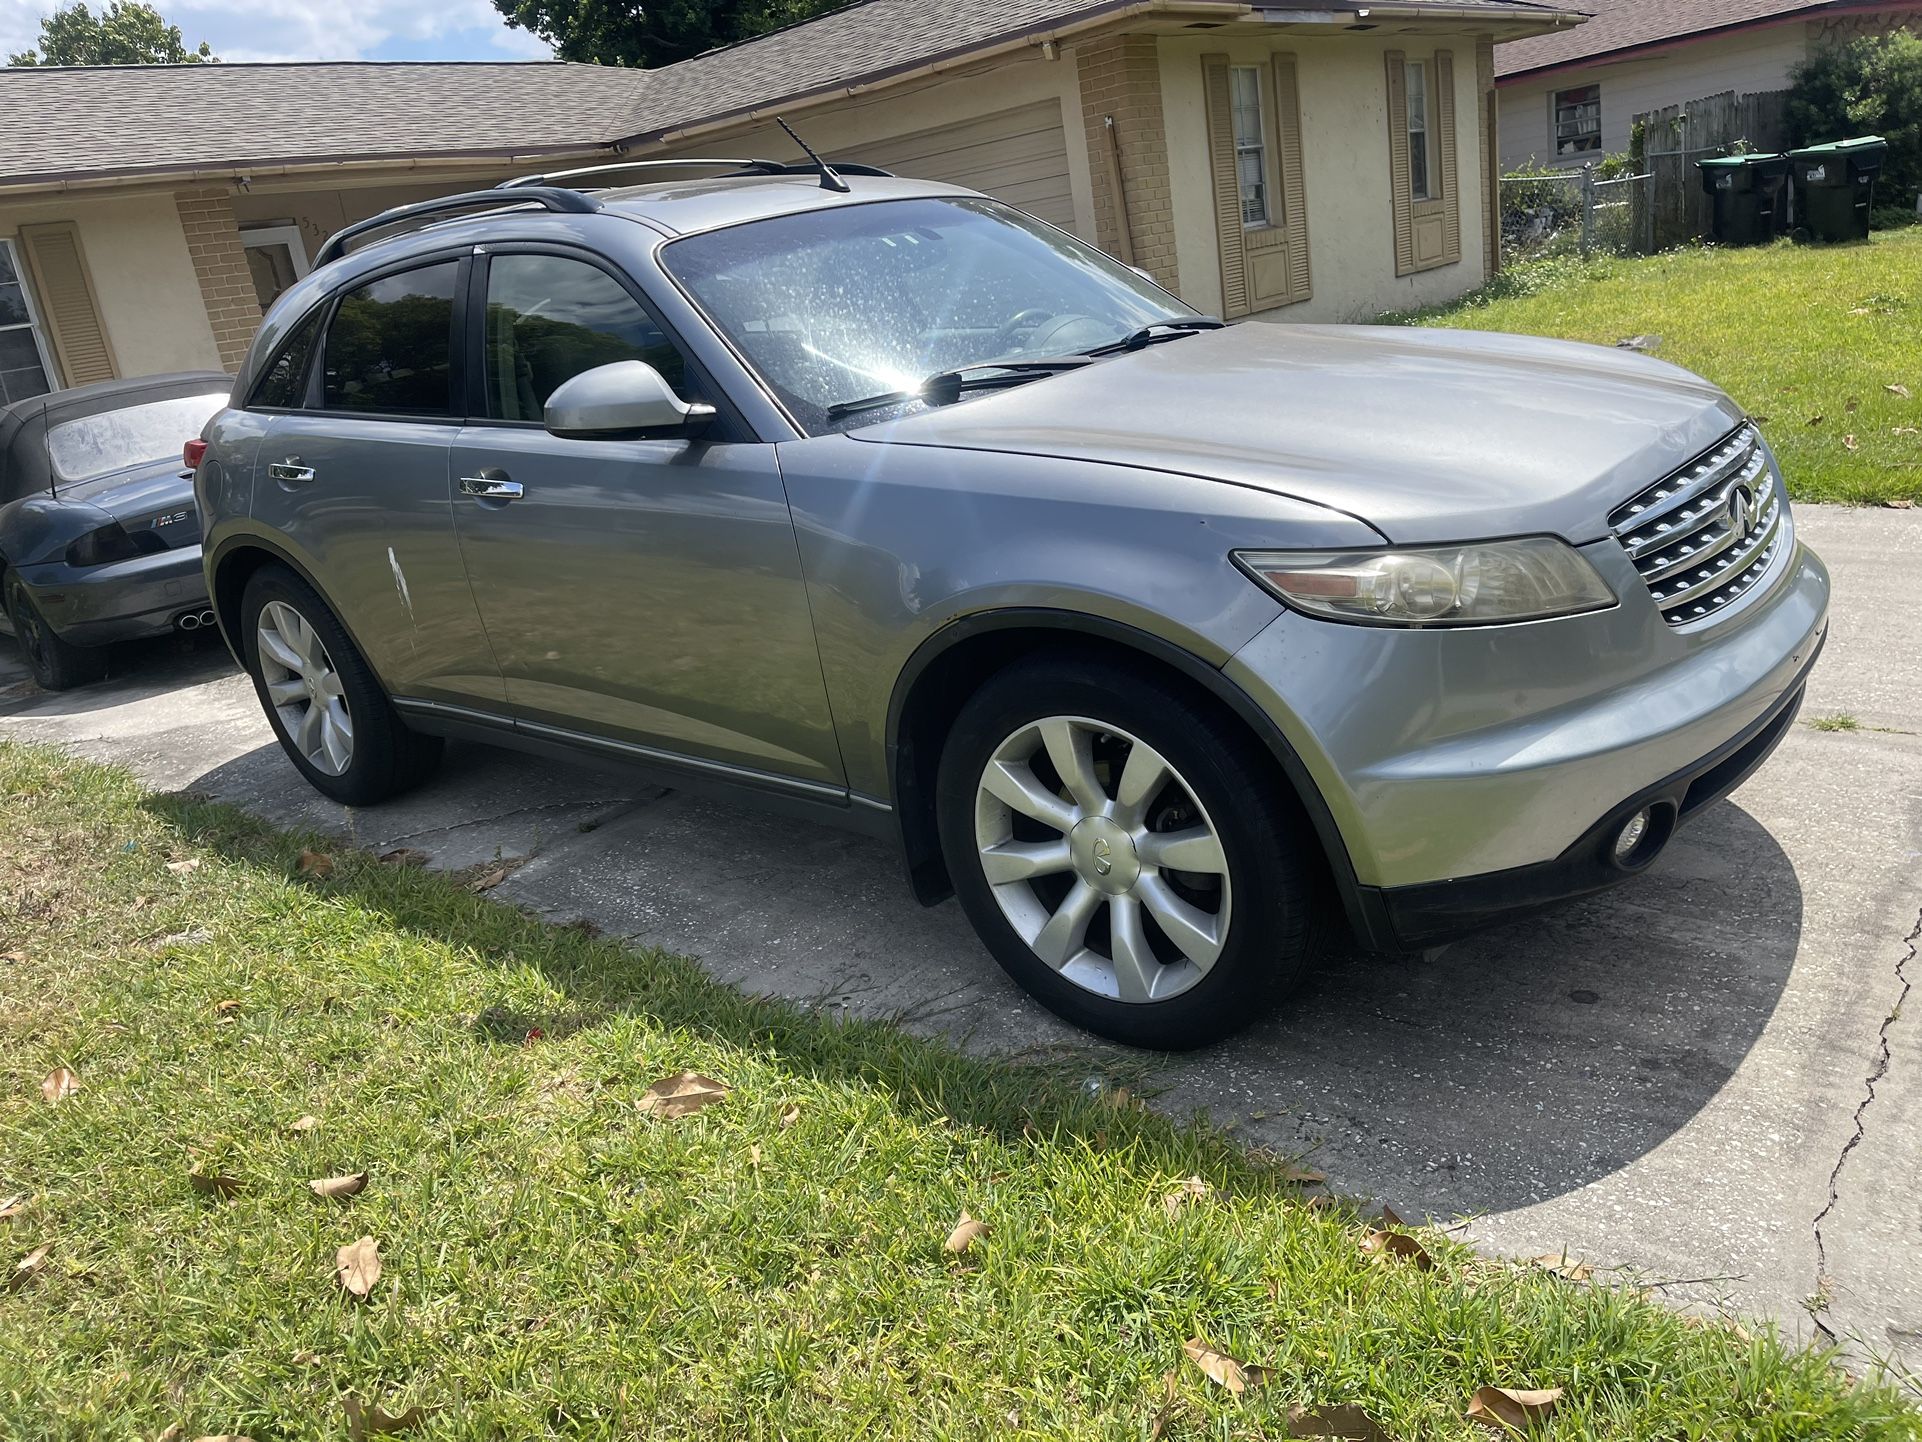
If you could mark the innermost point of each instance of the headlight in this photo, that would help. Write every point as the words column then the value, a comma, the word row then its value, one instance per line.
column 1479, row 585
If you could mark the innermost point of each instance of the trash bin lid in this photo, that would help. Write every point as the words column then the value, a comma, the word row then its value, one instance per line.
column 1724, row 162
column 1857, row 146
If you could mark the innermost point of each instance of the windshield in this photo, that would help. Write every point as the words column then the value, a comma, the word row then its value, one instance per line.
column 830, row 306
column 114, row 440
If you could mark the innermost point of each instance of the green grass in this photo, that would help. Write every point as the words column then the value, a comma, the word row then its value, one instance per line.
column 1792, row 332
column 1835, row 721
column 558, row 1265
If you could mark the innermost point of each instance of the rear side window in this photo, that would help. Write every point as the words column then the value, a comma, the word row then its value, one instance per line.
column 390, row 345
column 283, row 385
column 550, row 318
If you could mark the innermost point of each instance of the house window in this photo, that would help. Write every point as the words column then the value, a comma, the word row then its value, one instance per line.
column 1251, row 149
column 276, row 258
column 1578, row 119
column 25, row 369
column 1421, row 155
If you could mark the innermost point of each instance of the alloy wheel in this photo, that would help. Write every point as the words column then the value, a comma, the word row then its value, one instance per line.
column 1102, row 859
column 304, row 688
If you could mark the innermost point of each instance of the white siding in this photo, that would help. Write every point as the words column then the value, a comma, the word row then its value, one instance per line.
column 1745, row 62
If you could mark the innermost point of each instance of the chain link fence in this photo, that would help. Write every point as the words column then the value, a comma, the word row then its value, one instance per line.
column 1576, row 212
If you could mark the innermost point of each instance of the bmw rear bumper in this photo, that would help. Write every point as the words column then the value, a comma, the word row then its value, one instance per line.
column 1479, row 773
column 123, row 601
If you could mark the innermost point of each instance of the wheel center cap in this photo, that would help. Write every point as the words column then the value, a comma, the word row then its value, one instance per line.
column 1104, row 855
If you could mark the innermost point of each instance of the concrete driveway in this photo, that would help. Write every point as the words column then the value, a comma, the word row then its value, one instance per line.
column 1705, row 1077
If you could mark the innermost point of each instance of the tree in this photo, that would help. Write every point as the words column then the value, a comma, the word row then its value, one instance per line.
column 125, row 33
column 625, row 32
column 1871, row 86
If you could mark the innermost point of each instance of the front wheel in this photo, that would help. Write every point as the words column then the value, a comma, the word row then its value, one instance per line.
column 321, row 697
column 1126, row 854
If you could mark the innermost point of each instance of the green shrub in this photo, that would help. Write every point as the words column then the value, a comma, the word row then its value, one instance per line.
column 1871, row 86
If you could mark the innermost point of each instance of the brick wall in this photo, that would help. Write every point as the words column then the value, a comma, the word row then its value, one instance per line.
column 1121, row 77
column 226, row 286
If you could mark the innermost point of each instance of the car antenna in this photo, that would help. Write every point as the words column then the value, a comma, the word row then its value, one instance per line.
column 829, row 179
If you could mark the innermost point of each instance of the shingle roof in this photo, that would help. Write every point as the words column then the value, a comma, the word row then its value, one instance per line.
column 147, row 118
column 1627, row 24
column 102, row 121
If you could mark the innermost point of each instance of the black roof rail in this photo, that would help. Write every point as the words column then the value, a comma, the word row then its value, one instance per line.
column 740, row 167
column 549, row 197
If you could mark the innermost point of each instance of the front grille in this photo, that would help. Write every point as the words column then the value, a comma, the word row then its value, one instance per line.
column 1705, row 535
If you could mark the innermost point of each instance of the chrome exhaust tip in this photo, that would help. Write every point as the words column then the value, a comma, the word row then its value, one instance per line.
column 194, row 620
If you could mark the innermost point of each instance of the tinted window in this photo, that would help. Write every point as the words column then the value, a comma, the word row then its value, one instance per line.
column 549, row 319
column 389, row 346
column 284, row 382
column 113, row 440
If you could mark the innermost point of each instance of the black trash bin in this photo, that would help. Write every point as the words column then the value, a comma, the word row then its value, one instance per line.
column 1835, row 187
column 1750, row 197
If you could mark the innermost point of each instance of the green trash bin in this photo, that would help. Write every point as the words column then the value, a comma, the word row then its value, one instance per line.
column 1749, row 196
column 1835, row 186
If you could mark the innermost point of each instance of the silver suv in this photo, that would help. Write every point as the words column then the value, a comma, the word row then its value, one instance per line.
column 1156, row 642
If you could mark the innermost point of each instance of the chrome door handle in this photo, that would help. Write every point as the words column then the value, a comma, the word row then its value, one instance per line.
column 290, row 470
column 490, row 488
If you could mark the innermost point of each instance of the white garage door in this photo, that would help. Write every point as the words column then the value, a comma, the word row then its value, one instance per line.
column 1019, row 155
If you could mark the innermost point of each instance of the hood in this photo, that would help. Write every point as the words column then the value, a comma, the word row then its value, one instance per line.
column 1430, row 436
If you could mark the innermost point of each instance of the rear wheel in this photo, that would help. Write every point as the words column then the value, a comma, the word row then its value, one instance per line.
column 57, row 664
column 1126, row 854
column 327, row 709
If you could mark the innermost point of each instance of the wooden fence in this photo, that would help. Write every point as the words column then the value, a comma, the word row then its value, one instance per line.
column 1668, row 142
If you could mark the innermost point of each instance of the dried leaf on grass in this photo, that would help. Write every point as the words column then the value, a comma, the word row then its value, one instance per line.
column 1219, row 1367
column 1302, row 1176
column 302, row 1125
column 1562, row 1265
column 226, row 1012
column 493, row 876
column 357, row 1266
column 1383, row 1242
column 1345, row 1421
column 791, row 1114
column 1188, row 1190
column 1170, row 1404
column 1851, row 443
column 1901, row 503
column 315, row 864
column 404, row 856
column 1507, row 1409
column 680, row 1095
column 28, row 1267
column 13, row 1206
column 966, row 1233
column 213, row 1184
column 181, row 868
column 60, row 1084
column 1898, row 390
column 339, row 1188
column 368, row 1420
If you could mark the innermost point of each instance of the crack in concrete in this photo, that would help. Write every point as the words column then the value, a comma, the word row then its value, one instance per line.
column 509, row 815
column 1822, row 1278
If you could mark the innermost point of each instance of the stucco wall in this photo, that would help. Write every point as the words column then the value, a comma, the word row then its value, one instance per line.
column 1344, row 116
column 143, row 278
column 1746, row 62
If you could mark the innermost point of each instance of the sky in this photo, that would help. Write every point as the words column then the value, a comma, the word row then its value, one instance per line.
column 318, row 29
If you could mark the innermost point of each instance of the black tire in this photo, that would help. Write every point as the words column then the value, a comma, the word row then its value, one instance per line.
column 57, row 664
column 1262, row 835
column 387, row 757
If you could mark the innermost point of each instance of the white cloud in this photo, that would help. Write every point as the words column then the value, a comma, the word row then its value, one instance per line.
column 319, row 29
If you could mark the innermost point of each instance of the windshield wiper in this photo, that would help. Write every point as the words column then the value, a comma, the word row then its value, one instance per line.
column 1161, row 330
column 944, row 387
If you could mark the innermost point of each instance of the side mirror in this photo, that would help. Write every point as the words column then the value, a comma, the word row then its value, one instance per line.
column 627, row 398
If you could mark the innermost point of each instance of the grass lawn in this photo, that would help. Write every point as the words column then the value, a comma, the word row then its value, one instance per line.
column 1810, row 337
column 556, row 1262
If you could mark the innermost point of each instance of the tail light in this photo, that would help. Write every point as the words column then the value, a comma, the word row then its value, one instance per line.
column 193, row 453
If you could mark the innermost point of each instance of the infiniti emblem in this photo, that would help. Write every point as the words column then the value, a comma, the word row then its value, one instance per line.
column 1103, row 856
column 1741, row 503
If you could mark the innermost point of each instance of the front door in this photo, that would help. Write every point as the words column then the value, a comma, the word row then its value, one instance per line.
column 644, row 591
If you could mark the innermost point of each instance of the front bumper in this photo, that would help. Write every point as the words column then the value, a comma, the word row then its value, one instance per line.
column 1477, row 772
column 123, row 601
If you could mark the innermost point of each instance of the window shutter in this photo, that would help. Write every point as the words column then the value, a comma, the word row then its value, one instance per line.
column 1451, row 191
column 1294, row 198
column 1398, row 182
column 1221, row 164
column 1490, row 155
column 66, row 297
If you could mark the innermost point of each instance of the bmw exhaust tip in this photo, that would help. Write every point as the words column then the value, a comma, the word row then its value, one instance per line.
column 194, row 620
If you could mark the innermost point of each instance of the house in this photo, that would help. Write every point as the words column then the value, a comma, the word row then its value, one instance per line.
column 1572, row 95
column 1285, row 159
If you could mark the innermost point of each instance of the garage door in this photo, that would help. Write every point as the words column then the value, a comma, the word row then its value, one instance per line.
column 1019, row 156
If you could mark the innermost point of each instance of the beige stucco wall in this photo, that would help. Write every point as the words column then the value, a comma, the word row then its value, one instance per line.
column 860, row 119
column 143, row 278
column 1344, row 121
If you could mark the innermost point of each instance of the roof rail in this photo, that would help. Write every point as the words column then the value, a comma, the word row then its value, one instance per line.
column 532, row 193
column 740, row 167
